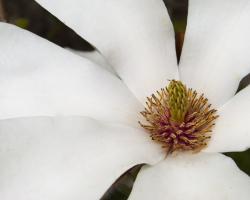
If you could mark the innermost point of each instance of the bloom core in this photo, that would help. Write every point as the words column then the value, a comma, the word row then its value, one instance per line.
column 179, row 118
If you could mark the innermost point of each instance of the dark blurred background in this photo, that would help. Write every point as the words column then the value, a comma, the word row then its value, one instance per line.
column 29, row 15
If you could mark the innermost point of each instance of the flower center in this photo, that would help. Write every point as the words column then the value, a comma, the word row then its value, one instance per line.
column 179, row 118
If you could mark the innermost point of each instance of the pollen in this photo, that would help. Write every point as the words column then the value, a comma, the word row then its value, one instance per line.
column 179, row 118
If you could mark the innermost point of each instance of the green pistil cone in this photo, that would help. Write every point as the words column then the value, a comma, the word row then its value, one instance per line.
column 177, row 101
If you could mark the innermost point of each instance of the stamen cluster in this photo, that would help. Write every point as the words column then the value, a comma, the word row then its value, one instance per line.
column 179, row 118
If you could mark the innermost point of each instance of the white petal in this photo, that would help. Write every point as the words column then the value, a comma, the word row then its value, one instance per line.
column 66, row 158
column 192, row 177
column 135, row 36
column 216, row 50
column 232, row 131
column 94, row 56
column 39, row 78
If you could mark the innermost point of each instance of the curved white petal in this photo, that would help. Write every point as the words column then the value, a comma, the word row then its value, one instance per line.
column 67, row 158
column 216, row 50
column 94, row 56
column 232, row 131
column 192, row 177
column 135, row 36
column 39, row 78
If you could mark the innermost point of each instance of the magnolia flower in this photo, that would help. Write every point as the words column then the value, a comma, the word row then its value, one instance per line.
column 69, row 127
